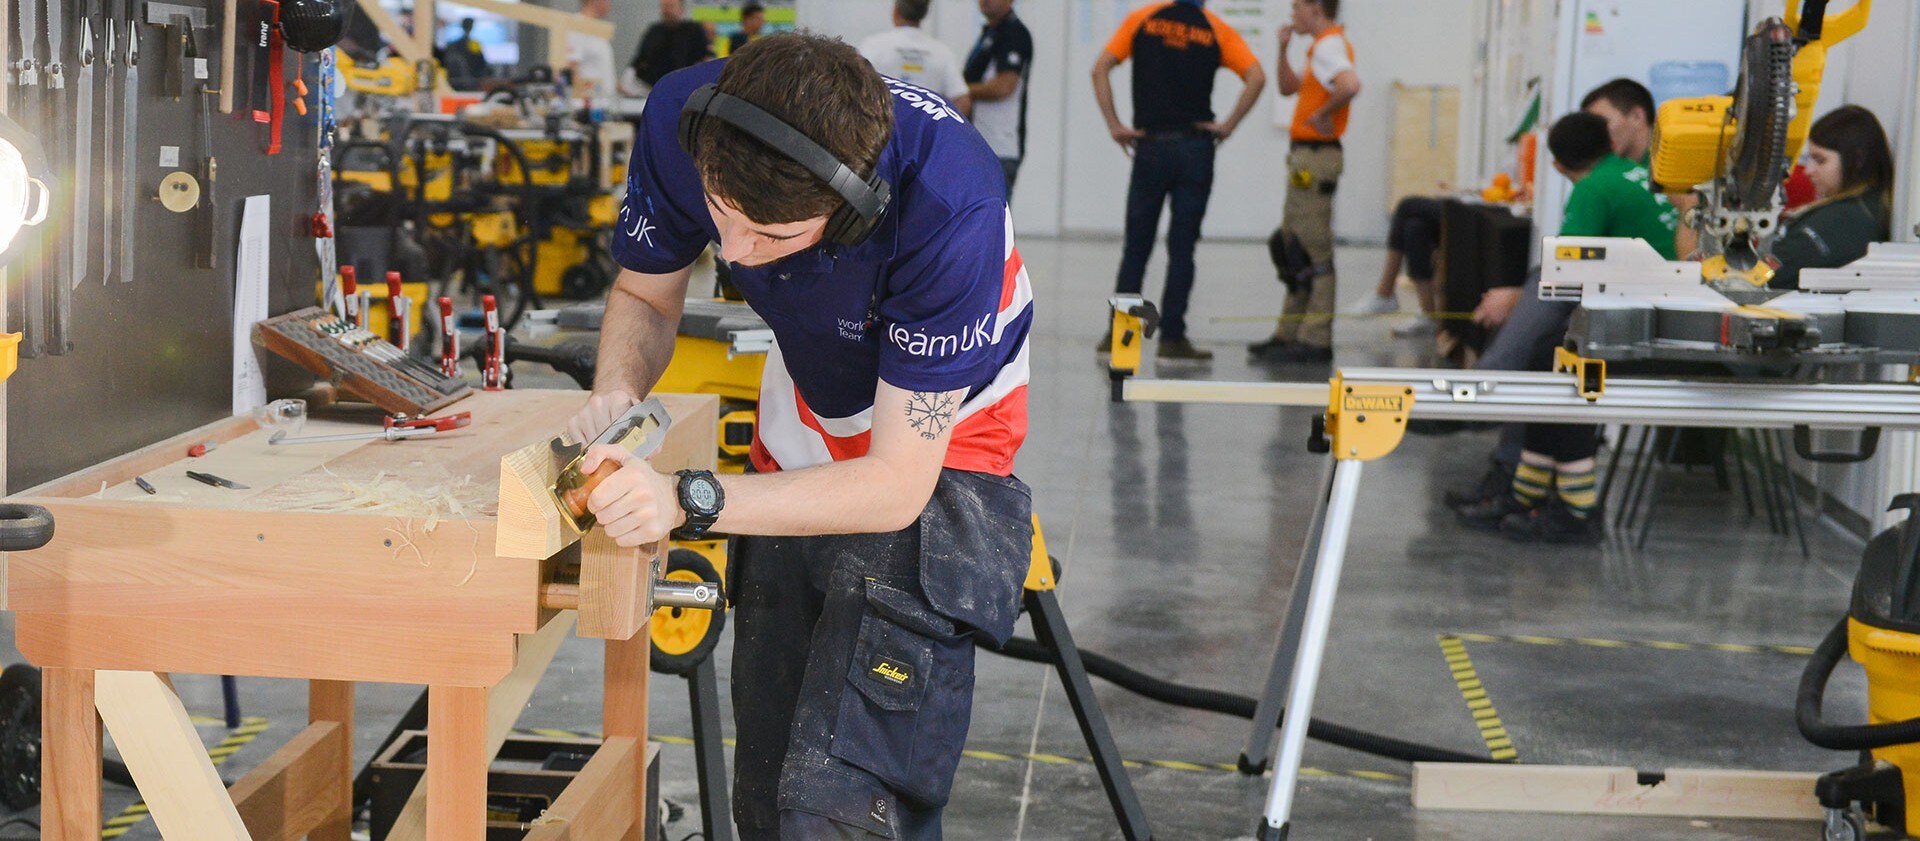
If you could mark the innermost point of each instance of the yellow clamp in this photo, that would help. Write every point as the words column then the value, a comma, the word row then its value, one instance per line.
column 1366, row 422
column 1590, row 375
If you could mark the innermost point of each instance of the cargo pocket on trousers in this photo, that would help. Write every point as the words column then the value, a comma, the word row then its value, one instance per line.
column 906, row 719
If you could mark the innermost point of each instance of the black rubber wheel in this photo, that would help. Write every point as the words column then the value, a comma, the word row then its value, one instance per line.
column 20, row 736
column 24, row 528
column 683, row 638
column 1843, row 825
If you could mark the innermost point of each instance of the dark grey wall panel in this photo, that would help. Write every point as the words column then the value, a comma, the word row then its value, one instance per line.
column 153, row 358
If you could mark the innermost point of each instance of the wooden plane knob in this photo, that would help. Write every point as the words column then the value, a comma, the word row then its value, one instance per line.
column 576, row 498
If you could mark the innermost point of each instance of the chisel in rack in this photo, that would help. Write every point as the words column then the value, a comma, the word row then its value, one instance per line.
column 109, row 161
column 130, row 149
column 80, row 234
column 59, row 272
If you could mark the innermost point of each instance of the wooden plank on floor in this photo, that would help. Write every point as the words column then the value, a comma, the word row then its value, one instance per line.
column 1566, row 789
column 299, row 787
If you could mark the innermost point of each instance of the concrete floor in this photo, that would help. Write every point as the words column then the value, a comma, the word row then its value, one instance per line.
column 1179, row 528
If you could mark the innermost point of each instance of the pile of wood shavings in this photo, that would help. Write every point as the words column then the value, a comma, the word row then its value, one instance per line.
column 419, row 502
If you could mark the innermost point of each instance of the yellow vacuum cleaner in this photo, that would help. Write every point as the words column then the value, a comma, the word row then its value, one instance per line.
column 1881, row 632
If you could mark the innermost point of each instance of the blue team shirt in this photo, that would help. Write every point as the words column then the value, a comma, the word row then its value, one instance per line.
column 935, row 300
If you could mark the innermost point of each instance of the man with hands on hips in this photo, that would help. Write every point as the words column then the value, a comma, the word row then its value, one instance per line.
column 882, row 527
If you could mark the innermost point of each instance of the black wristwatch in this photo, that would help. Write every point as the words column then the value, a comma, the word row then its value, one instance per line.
column 701, row 497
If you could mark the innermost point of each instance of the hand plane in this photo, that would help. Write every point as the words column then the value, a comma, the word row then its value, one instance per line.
column 639, row 431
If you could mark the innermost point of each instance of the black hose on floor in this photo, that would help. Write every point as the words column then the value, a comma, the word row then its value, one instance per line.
column 1227, row 703
column 1813, row 690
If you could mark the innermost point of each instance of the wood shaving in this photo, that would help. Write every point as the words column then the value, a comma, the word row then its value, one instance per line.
column 423, row 500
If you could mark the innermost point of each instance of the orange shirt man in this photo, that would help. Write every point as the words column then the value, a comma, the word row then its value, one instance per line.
column 1305, row 332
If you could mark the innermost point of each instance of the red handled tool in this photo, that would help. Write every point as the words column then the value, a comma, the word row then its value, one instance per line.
column 275, row 44
column 349, row 296
column 449, row 340
column 398, row 428
column 399, row 313
column 492, row 374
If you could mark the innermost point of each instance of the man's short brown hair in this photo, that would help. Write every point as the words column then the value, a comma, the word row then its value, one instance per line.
column 822, row 88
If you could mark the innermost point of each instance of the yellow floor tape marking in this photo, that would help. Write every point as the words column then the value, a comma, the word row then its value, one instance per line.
column 250, row 728
column 1499, row 742
column 1659, row 645
column 1492, row 732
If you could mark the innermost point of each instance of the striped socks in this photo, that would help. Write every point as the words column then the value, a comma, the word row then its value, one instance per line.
column 1531, row 483
column 1579, row 491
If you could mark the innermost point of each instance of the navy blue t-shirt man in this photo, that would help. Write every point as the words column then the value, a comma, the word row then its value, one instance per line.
column 883, row 524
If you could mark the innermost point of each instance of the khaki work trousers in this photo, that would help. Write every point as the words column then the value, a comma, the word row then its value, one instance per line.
column 1312, row 173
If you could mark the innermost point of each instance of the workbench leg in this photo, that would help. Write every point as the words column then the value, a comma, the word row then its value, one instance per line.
column 332, row 700
column 625, row 712
column 69, row 756
column 457, row 763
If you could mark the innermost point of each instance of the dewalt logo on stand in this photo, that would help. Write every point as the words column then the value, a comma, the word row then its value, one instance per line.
column 1372, row 403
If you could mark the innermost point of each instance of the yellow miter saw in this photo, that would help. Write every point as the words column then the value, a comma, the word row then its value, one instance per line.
column 1733, row 153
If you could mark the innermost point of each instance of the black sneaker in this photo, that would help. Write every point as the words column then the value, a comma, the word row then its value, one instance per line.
column 1268, row 345
column 1489, row 513
column 1553, row 522
column 1497, row 481
column 1182, row 348
column 1299, row 353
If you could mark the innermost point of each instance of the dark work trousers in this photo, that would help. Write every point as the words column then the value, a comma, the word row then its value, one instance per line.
column 1526, row 343
column 1415, row 233
column 853, row 663
column 1176, row 165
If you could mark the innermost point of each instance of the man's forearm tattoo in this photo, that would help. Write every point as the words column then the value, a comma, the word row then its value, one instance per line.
column 930, row 414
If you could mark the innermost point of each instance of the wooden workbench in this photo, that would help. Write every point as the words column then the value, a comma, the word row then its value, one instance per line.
column 343, row 562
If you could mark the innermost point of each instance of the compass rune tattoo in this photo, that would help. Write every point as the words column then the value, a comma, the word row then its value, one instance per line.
column 930, row 413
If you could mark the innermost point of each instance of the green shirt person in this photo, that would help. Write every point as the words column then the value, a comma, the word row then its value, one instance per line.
column 1612, row 197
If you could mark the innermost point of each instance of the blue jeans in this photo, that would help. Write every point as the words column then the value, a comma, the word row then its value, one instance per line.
column 1181, row 167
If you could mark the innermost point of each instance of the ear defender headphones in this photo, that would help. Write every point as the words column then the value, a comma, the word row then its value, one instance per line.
column 867, row 199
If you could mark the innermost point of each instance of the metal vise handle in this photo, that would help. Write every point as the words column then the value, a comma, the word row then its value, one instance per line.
column 24, row 527
column 700, row 595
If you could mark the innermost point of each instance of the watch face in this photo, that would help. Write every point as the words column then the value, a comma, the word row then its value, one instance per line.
column 702, row 494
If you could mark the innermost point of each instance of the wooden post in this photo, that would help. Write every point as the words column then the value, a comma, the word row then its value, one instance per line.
column 332, row 701
column 624, row 712
column 504, row 701
column 424, row 24
column 457, row 762
column 69, row 756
